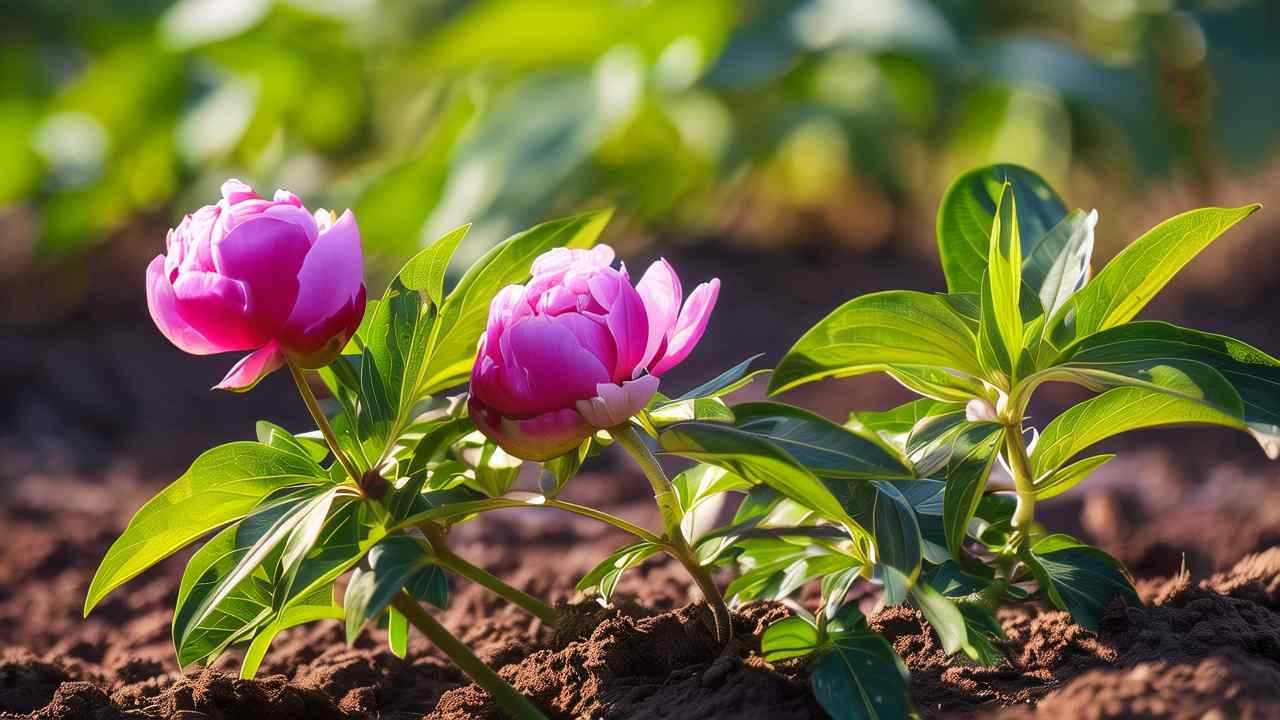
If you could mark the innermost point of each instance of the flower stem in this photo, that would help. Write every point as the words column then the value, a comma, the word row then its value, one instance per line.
column 511, row 702
column 451, row 561
column 1023, row 481
column 675, row 542
column 313, row 406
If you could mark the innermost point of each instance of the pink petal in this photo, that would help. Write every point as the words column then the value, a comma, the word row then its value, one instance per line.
column 236, row 191
column 546, row 368
column 266, row 255
column 217, row 308
column 330, row 298
column 252, row 368
column 660, row 290
column 539, row 438
column 162, row 303
column 691, row 325
column 615, row 404
column 626, row 317
column 297, row 215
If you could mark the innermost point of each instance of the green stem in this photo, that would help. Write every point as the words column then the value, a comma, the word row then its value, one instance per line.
column 313, row 406
column 675, row 542
column 451, row 561
column 511, row 702
column 605, row 517
column 1023, row 480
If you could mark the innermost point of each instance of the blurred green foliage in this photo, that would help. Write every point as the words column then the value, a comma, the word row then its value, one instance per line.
column 422, row 114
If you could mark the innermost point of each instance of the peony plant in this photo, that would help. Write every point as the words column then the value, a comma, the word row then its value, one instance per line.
column 905, row 498
column 568, row 362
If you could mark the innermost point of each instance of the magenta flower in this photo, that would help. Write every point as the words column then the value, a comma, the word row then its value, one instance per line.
column 261, row 275
column 579, row 349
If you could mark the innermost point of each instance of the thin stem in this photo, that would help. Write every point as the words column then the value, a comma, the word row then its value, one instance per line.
column 511, row 702
column 675, row 542
column 313, row 406
column 449, row 560
column 1023, row 481
column 605, row 517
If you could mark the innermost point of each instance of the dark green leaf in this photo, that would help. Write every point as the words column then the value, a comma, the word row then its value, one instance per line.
column 726, row 382
column 1080, row 579
column 393, row 563
column 827, row 449
column 884, row 510
column 975, row 452
column 859, row 677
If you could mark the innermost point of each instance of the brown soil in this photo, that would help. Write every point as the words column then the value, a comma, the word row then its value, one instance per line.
column 1197, row 645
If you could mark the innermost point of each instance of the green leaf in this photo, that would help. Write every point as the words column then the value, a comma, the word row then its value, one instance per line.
column 603, row 578
column 431, row 585
column 789, row 638
column 1001, row 322
column 1141, row 270
column 969, row 208
column 975, row 452
column 563, row 469
column 426, row 271
column 710, row 409
column 894, row 426
column 1184, row 362
column 393, row 563
column 835, row 588
column 938, row 384
column 437, row 438
column 235, row 593
column 726, row 382
column 392, row 364
column 885, row 511
column 464, row 313
column 1114, row 412
column 1080, row 579
column 397, row 633
column 222, row 485
column 277, row 437
column 1065, row 478
column 758, row 461
column 859, row 677
column 1059, row 265
column 827, row 449
column 945, row 618
column 319, row 606
column 875, row 332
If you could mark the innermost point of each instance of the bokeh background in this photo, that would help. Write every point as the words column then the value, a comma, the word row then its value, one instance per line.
column 795, row 148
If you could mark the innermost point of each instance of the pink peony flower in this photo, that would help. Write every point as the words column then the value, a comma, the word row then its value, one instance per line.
column 579, row 348
column 261, row 275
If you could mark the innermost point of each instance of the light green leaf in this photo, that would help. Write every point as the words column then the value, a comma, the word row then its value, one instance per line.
column 789, row 638
column 277, row 437
column 942, row 385
column 1065, row 478
column 426, row 271
column 319, row 606
column 945, row 618
column 709, row 409
column 1141, row 270
column 878, row 332
column 1001, row 323
column 397, row 632
column 894, row 426
column 968, row 209
column 464, row 313
column 603, row 578
column 1059, row 265
column 1114, row 412
column 859, row 677
column 222, row 485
